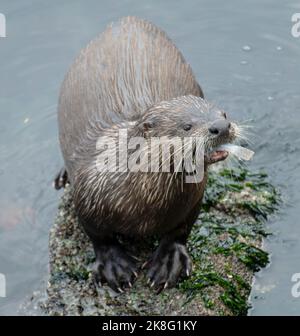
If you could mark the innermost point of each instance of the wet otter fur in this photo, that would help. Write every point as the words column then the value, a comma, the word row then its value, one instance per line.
column 133, row 77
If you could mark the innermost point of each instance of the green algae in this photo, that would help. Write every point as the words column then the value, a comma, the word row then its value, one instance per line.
column 237, row 203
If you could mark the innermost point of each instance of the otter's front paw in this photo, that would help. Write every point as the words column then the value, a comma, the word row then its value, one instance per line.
column 114, row 266
column 168, row 262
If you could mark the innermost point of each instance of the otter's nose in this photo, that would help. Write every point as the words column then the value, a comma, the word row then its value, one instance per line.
column 220, row 127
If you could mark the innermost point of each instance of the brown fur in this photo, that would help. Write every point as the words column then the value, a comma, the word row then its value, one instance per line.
column 132, row 76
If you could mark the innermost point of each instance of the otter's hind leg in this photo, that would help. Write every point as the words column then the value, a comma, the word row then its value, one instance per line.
column 171, row 260
column 61, row 179
column 113, row 265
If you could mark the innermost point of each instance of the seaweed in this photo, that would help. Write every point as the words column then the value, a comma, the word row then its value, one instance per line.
column 237, row 203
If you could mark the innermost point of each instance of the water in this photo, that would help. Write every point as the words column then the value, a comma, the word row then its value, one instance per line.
column 243, row 56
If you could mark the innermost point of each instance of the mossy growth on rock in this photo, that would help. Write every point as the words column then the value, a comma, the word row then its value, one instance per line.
column 225, row 246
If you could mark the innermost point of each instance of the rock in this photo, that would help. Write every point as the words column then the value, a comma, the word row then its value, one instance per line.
column 225, row 245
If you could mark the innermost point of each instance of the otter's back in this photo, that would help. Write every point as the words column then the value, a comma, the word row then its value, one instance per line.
column 129, row 67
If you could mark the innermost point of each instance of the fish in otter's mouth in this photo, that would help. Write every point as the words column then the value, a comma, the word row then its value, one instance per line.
column 216, row 156
column 222, row 152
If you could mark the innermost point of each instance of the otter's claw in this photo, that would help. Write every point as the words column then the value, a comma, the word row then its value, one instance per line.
column 167, row 264
column 145, row 264
column 115, row 267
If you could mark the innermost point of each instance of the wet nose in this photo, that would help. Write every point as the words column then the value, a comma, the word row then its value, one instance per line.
column 220, row 127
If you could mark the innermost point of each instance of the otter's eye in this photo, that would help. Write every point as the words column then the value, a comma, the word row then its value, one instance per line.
column 187, row 127
column 225, row 115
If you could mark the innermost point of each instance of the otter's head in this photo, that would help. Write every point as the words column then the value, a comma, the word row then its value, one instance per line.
column 190, row 116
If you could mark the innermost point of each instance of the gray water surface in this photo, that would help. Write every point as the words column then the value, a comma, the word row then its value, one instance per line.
column 243, row 55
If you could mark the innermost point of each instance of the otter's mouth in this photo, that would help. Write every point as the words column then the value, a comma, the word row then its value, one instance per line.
column 222, row 152
column 216, row 156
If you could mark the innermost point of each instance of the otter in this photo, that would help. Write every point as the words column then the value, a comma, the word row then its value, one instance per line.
column 133, row 77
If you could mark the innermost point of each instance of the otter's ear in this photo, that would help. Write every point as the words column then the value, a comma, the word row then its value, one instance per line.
column 146, row 127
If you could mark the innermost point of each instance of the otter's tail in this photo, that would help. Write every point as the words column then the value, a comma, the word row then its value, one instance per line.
column 61, row 179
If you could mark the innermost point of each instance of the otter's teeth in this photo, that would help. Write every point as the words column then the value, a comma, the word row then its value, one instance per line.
column 240, row 152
